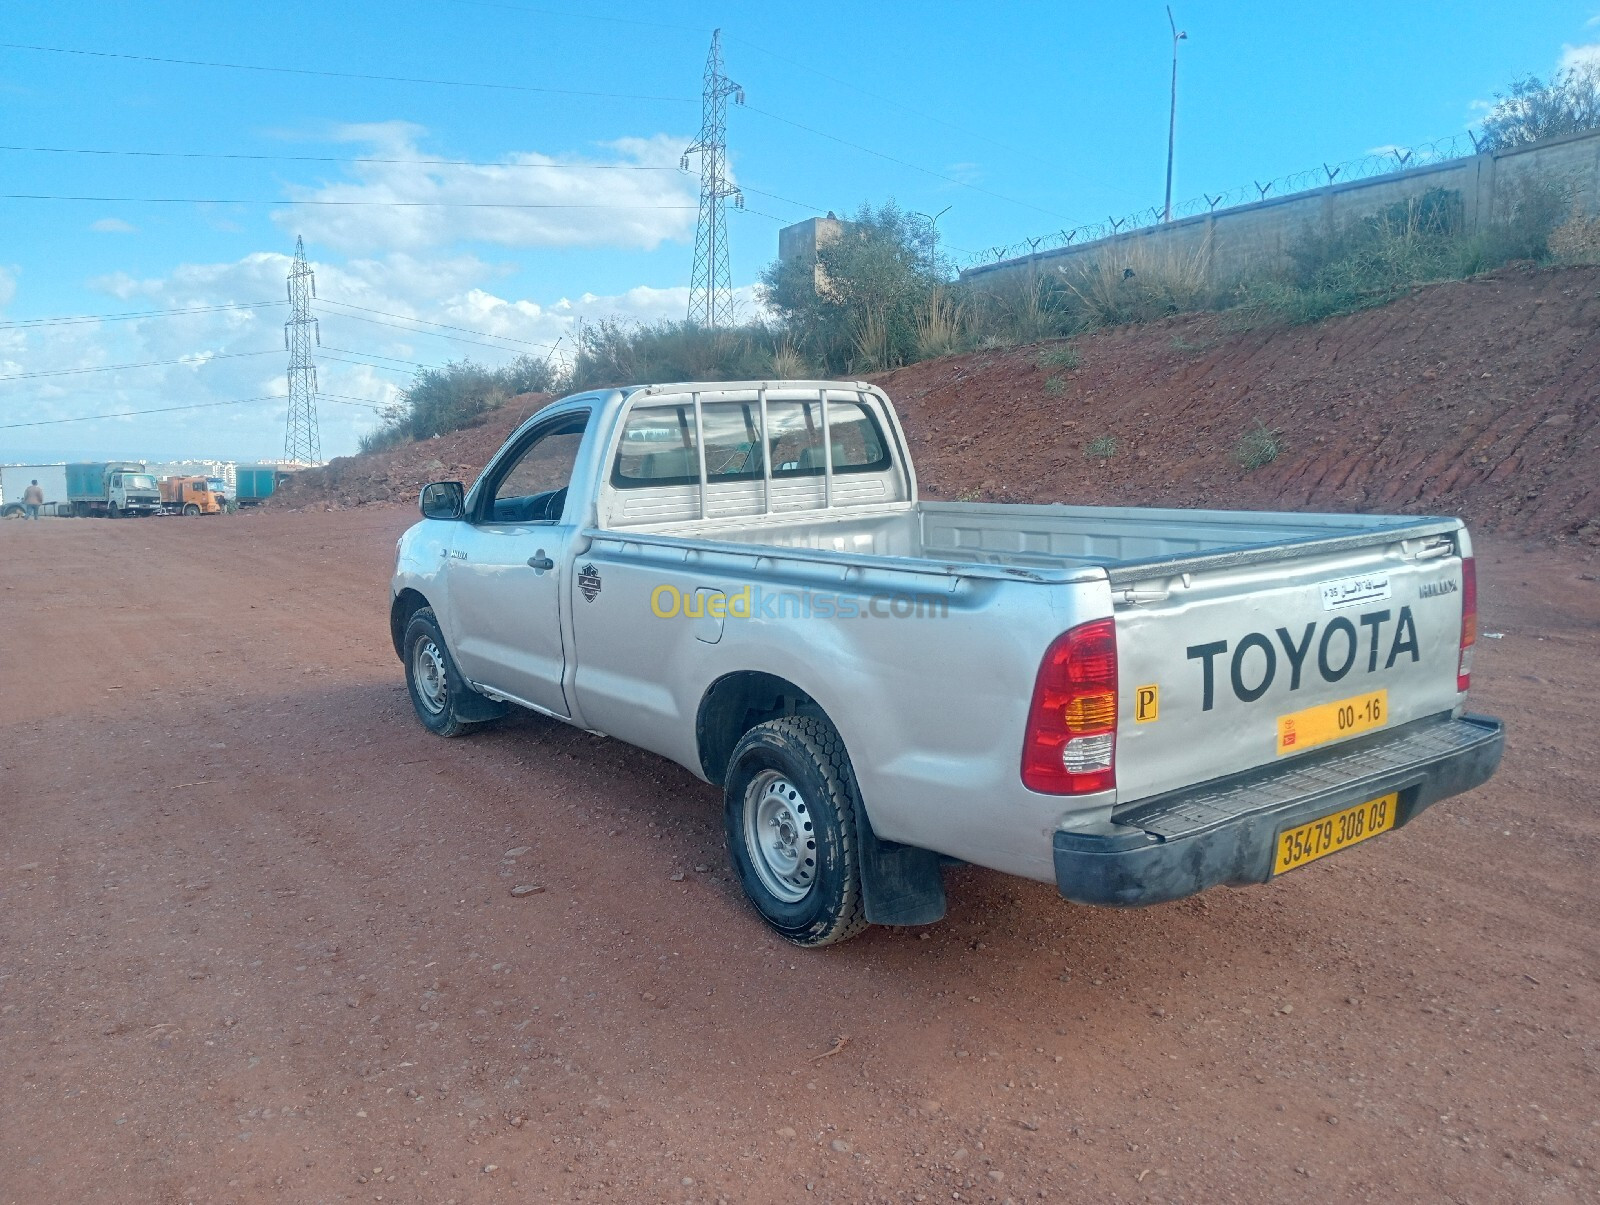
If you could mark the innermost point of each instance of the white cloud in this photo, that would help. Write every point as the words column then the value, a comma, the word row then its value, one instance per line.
column 8, row 285
column 1587, row 55
column 426, row 202
column 112, row 226
column 457, row 290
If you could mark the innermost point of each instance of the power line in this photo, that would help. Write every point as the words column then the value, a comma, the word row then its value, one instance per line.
column 323, row 355
column 78, row 150
column 547, row 12
column 902, row 163
column 93, row 418
column 196, row 359
column 378, row 356
column 878, row 98
column 77, row 319
column 23, row 196
column 411, row 330
column 356, row 75
column 346, row 400
column 425, row 322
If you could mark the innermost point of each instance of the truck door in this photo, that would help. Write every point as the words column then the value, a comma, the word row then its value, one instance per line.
column 506, row 564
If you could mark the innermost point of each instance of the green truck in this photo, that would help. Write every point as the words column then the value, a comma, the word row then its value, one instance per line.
column 255, row 483
column 113, row 488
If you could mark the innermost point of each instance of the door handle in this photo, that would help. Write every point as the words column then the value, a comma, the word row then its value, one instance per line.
column 541, row 562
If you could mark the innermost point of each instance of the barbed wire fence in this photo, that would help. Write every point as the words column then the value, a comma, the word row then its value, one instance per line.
column 1377, row 163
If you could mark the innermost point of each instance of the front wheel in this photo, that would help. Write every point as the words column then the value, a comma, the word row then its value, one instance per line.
column 191, row 509
column 790, row 814
column 436, row 686
column 114, row 511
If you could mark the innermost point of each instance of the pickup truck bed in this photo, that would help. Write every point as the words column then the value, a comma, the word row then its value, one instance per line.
column 1133, row 704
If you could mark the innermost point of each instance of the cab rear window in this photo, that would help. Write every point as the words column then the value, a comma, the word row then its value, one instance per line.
column 658, row 442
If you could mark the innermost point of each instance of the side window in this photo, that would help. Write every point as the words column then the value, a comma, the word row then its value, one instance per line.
column 532, row 488
column 657, row 449
column 795, row 432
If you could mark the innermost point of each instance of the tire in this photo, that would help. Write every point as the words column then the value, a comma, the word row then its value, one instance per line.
column 191, row 509
column 11, row 512
column 434, row 683
column 114, row 511
column 790, row 812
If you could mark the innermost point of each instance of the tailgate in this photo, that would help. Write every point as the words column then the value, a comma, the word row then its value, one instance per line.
column 1232, row 667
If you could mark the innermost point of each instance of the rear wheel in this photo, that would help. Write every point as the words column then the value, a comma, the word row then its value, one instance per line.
column 436, row 686
column 790, row 814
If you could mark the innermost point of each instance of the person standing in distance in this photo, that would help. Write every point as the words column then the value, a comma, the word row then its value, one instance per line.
column 32, row 499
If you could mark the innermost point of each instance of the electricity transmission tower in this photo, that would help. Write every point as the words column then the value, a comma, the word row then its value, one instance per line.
column 711, row 283
column 301, row 442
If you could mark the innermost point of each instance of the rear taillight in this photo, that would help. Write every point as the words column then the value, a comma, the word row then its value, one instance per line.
column 1469, row 621
column 1071, row 743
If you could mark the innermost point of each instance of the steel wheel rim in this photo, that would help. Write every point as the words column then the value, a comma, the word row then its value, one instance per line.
column 428, row 672
column 780, row 837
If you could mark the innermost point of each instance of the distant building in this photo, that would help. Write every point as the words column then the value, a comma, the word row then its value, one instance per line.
column 804, row 239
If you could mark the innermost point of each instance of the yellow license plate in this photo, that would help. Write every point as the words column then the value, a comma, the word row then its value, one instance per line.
column 1332, row 721
column 1318, row 839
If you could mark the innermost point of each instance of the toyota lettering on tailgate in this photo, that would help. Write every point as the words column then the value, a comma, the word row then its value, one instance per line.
column 1334, row 652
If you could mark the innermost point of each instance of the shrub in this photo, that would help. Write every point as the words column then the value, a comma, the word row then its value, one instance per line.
column 939, row 322
column 1534, row 109
column 616, row 352
column 1577, row 240
column 1257, row 447
column 1140, row 283
column 1035, row 307
column 1102, row 448
column 857, row 304
column 455, row 396
column 1055, row 386
column 1064, row 356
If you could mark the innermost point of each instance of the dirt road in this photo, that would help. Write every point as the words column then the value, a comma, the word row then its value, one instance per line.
column 258, row 942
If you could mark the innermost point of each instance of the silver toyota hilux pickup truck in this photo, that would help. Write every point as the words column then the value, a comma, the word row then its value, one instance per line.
column 1132, row 704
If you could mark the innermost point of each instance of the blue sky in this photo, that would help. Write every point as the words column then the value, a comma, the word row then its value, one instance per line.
column 1021, row 118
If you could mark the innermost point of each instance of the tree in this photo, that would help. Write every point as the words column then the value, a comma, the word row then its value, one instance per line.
column 1534, row 109
column 855, row 308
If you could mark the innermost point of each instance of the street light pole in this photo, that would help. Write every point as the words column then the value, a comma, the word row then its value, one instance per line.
column 1172, row 118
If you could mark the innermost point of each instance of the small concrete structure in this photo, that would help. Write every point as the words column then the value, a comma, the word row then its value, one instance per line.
column 804, row 239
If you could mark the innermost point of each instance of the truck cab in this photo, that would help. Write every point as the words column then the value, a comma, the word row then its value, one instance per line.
column 129, row 493
column 191, row 496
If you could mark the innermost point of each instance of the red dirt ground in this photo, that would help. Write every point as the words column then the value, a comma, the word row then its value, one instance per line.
column 259, row 943
column 1479, row 398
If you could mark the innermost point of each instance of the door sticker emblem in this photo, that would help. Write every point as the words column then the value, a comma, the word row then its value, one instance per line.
column 589, row 581
column 1147, row 704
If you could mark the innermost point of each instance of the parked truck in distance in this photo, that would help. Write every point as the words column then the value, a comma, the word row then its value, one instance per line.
column 193, row 496
column 15, row 478
column 113, row 488
column 255, row 483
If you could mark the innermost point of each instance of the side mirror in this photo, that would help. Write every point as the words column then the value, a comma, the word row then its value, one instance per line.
column 443, row 500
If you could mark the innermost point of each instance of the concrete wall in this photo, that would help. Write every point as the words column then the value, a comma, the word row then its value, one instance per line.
column 1259, row 235
column 801, row 240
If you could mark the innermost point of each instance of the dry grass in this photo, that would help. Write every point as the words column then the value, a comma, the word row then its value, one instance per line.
column 939, row 325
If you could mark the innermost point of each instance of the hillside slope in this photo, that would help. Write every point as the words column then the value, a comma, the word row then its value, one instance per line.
column 1479, row 398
